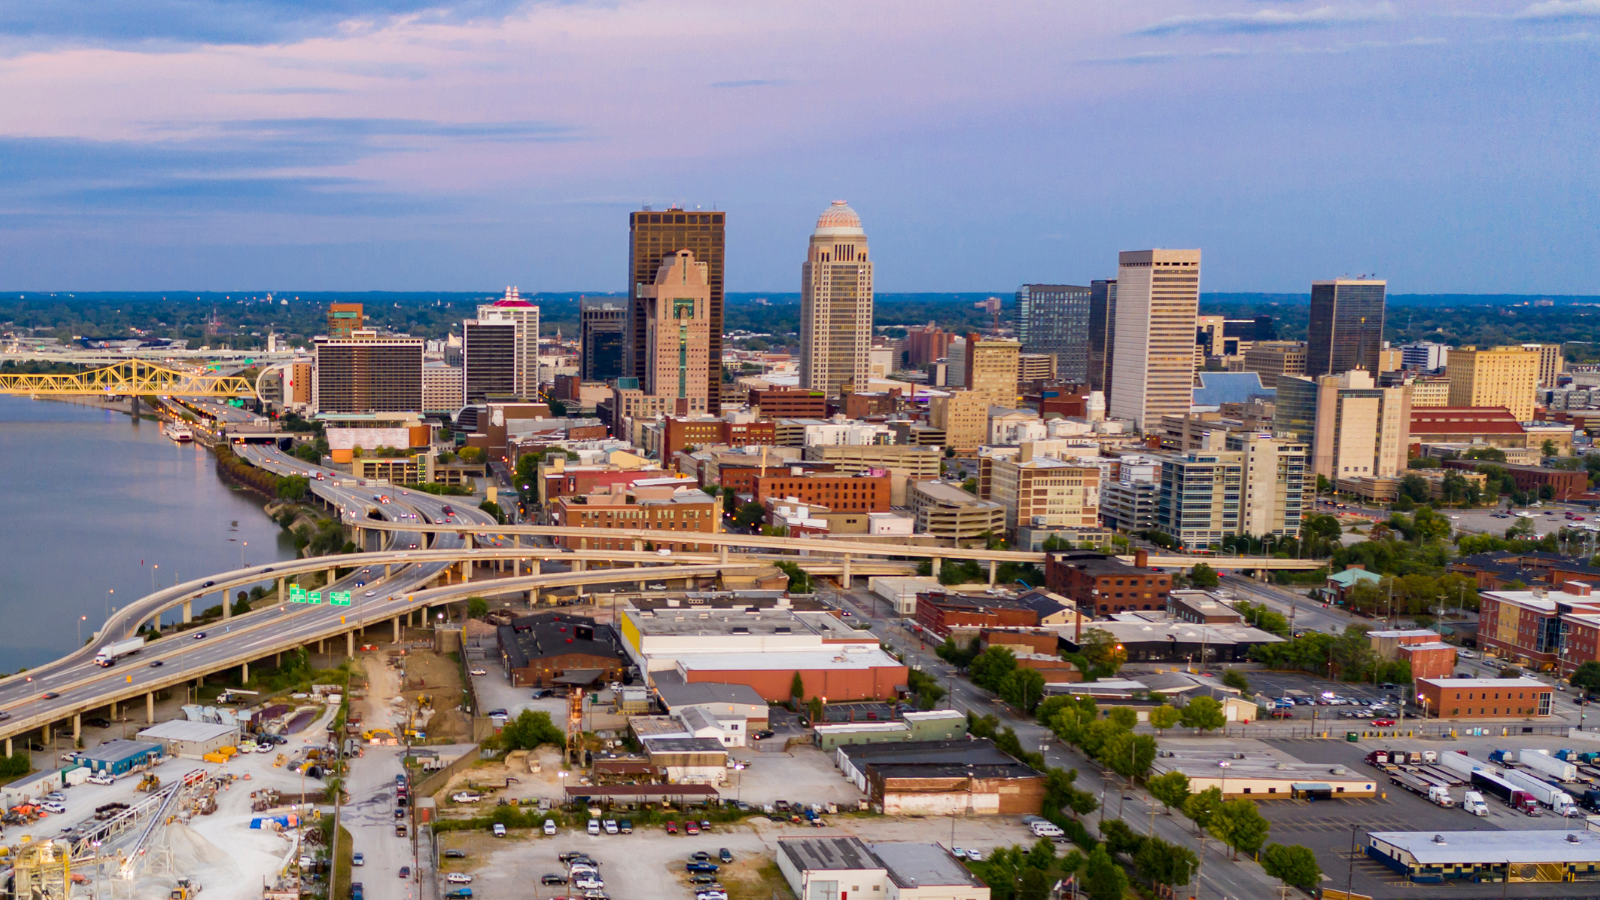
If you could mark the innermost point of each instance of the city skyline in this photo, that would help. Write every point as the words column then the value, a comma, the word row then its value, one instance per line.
column 417, row 144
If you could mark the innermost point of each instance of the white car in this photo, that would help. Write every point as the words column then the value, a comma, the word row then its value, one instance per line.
column 499, row 830
column 458, row 878
column 594, row 826
column 372, row 593
column 610, row 825
column 549, row 826
column 480, row 671
column 53, row 807
column 974, row 855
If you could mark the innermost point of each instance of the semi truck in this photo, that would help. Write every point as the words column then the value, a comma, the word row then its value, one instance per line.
column 109, row 655
column 1558, row 800
column 1435, row 794
column 1506, row 758
column 1503, row 790
column 1472, row 802
column 1401, row 757
column 1548, row 766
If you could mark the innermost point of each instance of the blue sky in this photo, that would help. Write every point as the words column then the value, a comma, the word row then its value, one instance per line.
column 429, row 144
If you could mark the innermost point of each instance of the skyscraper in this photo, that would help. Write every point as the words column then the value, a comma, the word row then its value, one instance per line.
column 835, row 303
column 677, row 333
column 365, row 373
column 991, row 368
column 512, row 309
column 344, row 319
column 1158, row 299
column 602, row 338
column 488, row 360
column 653, row 236
column 1346, row 330
column 1500, row 376
column 1054, row 318
column 1102, row 333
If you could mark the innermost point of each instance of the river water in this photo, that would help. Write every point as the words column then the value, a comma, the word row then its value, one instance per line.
column 95, row 508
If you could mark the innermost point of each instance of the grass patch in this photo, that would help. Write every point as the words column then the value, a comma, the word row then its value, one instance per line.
column 339, row 883
column 760, row 879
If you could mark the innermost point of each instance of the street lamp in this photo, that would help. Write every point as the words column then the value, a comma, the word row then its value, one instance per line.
column 81, row 620
column 153, row 568
column 109, row 592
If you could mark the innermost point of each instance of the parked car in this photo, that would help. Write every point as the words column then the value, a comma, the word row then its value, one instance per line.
column 764, row 733
column 691, row 828
column 549, row 826
column 360, row 859
column 480, row 671
column 51, row 806
column 672, row 827
column 725, row 856
column 701, row 867
column 570, row 856
column 700, row 856
column 455, row 854
column 553, row 879
column 1383, row 723
column 458, row 878
column 460, row 894
column 625, row 826
column 97, row 722
column 594, row 826
column 499, row 830
column 610, row 825
column 405, row 872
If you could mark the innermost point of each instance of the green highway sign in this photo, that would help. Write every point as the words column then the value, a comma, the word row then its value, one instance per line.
column 297, row 594
column 315, row 597
column 339, row 598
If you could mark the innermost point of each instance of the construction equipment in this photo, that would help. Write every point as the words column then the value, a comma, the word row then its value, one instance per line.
column 149, row 783
column 185, row 890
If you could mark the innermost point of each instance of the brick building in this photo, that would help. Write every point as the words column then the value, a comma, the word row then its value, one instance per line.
column 869, row 404
column 938, row 612
column 1497, row 569
column 838, row 492
column 680, row 433
column 1567, row 484
column 1102, row 584
column 536, row 650
column 1483, row 698
column 676, row 512
column 1428, row 655
column 789, row 403
column 1544, row 630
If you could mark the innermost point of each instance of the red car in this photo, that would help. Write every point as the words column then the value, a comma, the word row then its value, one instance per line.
column 691, row 828
column 1383, row 723
column 672, row 828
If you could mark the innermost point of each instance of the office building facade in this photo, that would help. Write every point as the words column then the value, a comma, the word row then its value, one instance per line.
column 677, row 334
column 1274, row 359
column 836, row 303
column 1102, row 333
column 366, row 373
column 1424, row 355
column 653, row 236
column 1346, row 330
column 1246, row 483
column 1362, row 430
column 488, row 360
column 991, row 368
column 1498, row 376
column 1158, row 299
column 1054, row 318
column 1551, row 363
column 524, row 316
column 442, row 388
column 344, row 320
column 602, row 339
column 926, row 344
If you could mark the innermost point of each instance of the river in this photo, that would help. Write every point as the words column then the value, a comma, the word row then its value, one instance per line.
column 97, row 508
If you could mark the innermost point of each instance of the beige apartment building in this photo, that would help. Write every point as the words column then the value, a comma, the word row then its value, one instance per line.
column 1158, row 298
column 1430, row 392
column 992, row 367
column 1236, row 483
column 946, row 511
column 1270, row 359
column 1500, row 376
column 1551, row 363
column 1042, row 492
column 1208, row 332
column 678, row 333
column 836, row 303
column 1035, row 367
column 1362, row 430
column 1279, row 487
column 963, row 416
column 915, row 463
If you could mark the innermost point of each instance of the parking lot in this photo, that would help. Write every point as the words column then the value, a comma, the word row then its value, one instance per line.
column 1273, row 685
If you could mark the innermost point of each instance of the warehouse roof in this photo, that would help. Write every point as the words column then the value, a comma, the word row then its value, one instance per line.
column 1441, row 848
column 655, row 745
column 1186, row 633
column 676, row 693
column 1498, row 683
column 960, row 751
column 853, row 656
column 118, row 750
column 922, row 865
column 895, row 769
column 735, row 621
column 182, row 730
column 548, row 635
column 828, row 853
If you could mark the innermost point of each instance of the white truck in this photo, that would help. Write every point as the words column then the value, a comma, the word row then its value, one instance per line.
column 1042, row 827
column 1548, row 765
column 1558, row 800
column 109, row 655
column 1472, row 802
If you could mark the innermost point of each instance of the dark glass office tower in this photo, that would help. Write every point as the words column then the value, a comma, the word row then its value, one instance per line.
column 1346, row 326
column 1054, row 318
column 651, row 237
column 1295, row 414
column 602, row 335
column 489, row 361
column 1102, row 334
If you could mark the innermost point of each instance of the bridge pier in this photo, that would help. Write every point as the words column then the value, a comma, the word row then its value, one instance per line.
column 227, row 608
column 533, row 597
column 397, row 629
column 466, row 537
column 244, row 673
column 350, row 644
column 722, row 554
column 48, row 734
column 577, row 565
column 8, row 746
column 638, row 545
column 188, row 611
column 113, row 711
column 331, row 578
column 844, row 577
column 77, row 726
column 935, row 568
column 992, row 565
column 466, row 571
column 283, row 591
column 150, row 708
column 387, row 567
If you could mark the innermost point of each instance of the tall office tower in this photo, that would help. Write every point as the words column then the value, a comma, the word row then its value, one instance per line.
column 1158, row 299
column 677, row 305
column 1502, row 376
column 835, row 303
column 992, row 367
column 1361, row 430
column 955, row 374
column 602, row 337
column 1054, row 318
column 516, row 311
column 1551, row 363
column 652, row 237
column 1346, row 330
column 1102, row 333
column 488, row 360
column 344, row 319
column 1272, row 359
column 1208, row 338
column 926, row 343
column 365, row 373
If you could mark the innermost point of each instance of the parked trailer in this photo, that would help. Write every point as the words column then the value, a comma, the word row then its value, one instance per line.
column 1433, row 793
column 1548, row 765
column 1506, row 792
column 1401, row 757
column 1445, row 776
column 1462, row 764
column 1543, row 791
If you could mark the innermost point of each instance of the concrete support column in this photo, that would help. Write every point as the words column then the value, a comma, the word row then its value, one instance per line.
column 844, row 577
column 387, row 569
column 935, row 570
column 188, row 611
column 397, row 629
column 722, row 554
column 150, row 708
column 227, row 608
column 77, row 726
column 8, row 746
column 244, row 673
column 533, row 597
column 466, row 571
column 638, row 545
column 350, row 644
column 332, row 577
column 113, row 715
column 48, row 734
column 467, row 538
column 322, row 646
column 992, row 565
column 283, row 591
column 577, row 565
column 277, row 660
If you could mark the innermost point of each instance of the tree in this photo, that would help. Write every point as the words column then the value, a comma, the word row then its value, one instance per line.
column 1294, row 865
column 1547, row 492
column 817, row 709
column 1203, row 806
column 1548, row 448
column 1129, row 755
column 477, row 607
column 1102, row 651
column 1171, row 788
column 1123, row 717
column 1023, row 689
column 799, row 579
column 1236, row 679
column 750, row 515
column 991, row 667
column 1203, row 714
column 293, row 488
column 1103, row 878
column 530, row 729
column 1035, row 884
column 955, row 655
column 1061, row 792
column 1163, row 717
column 797, row 687
column 1164, row 863
column 1204, row 577
column 1587, row 677
column 1240, row 825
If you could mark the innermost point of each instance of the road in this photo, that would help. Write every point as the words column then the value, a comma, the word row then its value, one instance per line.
column 370, row 819
column 1219, row 876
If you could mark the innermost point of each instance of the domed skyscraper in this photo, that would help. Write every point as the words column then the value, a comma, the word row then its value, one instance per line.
column 836, row 303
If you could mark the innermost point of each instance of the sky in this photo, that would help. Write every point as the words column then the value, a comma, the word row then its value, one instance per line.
column 473, row 144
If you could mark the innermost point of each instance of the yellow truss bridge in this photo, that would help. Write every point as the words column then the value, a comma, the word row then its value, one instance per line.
column 132, row 378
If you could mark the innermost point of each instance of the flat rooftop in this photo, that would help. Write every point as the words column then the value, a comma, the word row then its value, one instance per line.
column 737, row 621
column 851, row 656
column 922, row 865
column 828, row 854
column 1481, row 683
column 1442, row 848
